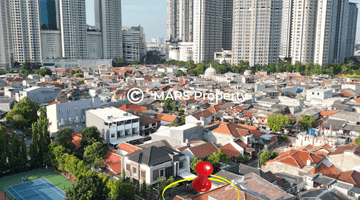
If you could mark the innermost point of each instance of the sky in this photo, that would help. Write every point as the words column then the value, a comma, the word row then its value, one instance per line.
column 151, row 15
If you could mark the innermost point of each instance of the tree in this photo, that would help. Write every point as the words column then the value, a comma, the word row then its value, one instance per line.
column 123, row 175
column 15, row 152
column 193, row 165
column 34, row 147
column 42, row 111
column 135, row 62
column 264, row 157
column 306, row 121
column 59, row 152
column 23, row 159
column 357, row 141
column 50, row 156
column 88, row 187
column 120, row 190
column 90, row 136
column 274, row 154
column 4, row 143
column 173, row 124
column 143, row 189
column 276, row 121
column 94, row 153
column 44, row 71
column 163, row 74
column 180, row 73
column 163, row 183
column 81, row 81
column 64, row 138
column 182, row 118
column 27, row 109
column 180, row 109
column 216, row 158
column 73, row 72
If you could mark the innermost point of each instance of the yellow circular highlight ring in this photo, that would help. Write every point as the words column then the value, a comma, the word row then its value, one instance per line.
column 212, row 179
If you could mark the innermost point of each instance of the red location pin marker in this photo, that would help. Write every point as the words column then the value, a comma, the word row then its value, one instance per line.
column 202, row 183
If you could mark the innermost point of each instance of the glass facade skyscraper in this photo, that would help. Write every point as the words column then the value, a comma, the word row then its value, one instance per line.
column 48, row 14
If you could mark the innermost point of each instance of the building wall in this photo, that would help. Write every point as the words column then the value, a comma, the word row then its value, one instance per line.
column 256, row 32
column 76, row 63
column 347, row 161
column 219, row 138
column 25, row 19
column 286, row 19
column 73, row 28
column 316, row 94
column 108, row 19
column 207, row 29
column 351, row 30
column 94, row 44
column 93, row 120
column 227, row 24
column 133, row 43
column 180, row 20
column 51, row 43
column 40, row 95
column 74, row 110
column 5, row 35
column 303, row 30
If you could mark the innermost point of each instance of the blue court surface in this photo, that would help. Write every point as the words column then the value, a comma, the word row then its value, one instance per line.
column 39, row 189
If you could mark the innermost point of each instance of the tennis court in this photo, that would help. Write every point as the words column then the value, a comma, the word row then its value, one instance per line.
column 39, row 189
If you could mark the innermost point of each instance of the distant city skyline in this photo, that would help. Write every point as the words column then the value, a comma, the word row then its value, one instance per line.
column 151, row 15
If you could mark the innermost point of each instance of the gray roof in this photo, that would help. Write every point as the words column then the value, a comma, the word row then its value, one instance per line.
column 338, row 124
column 355, row 190
column 337, row 106
column 6, row 100
column 268, row 100
column 245, row 169
column 153, row 155
column 348, row 116
column 227, row 175
column 324, row 180
column 149, row 113
column 228, row 105
column 159, row 143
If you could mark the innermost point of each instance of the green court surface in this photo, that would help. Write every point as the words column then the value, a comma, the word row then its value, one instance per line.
column 55, row 178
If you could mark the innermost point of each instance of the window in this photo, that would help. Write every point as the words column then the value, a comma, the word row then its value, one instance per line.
column 134, row 170
column 68, row 110
column 181, row 165
column 112, row 135
column 106, row 124
column 135, row 120
column 161, row 173
column 60, row 111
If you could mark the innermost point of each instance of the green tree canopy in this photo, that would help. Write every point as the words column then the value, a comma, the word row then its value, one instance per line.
column 94, row 154
column 23, row 114
column 276, row 121
column 306, row 122
column 193, row 165
column 89, row 187
column 163, row 74
column 44, row 71
column 64, row 138
column 90, row 135
column 264, row 157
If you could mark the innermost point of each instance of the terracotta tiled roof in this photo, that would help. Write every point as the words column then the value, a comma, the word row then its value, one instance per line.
column 341, row 149
column 327, row 113
column 131, row 106
column 127, row 147
column 357, row 100
column 248, row 113
column 167, row 118
column 183, row 148
column 230, row 151
column 244, row 146
column 77, row 137
column 216, row 108
column 297, row 158
column 113, row 161
column 204, row 114
column 352, row 177
column 346, row 94
column 204, row 150
column 232, row 129
column 331, row 171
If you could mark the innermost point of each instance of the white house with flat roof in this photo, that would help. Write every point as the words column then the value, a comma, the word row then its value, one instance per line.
column 115, row 125
column 39, row 95
column 70, row 114
column 318, row 94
